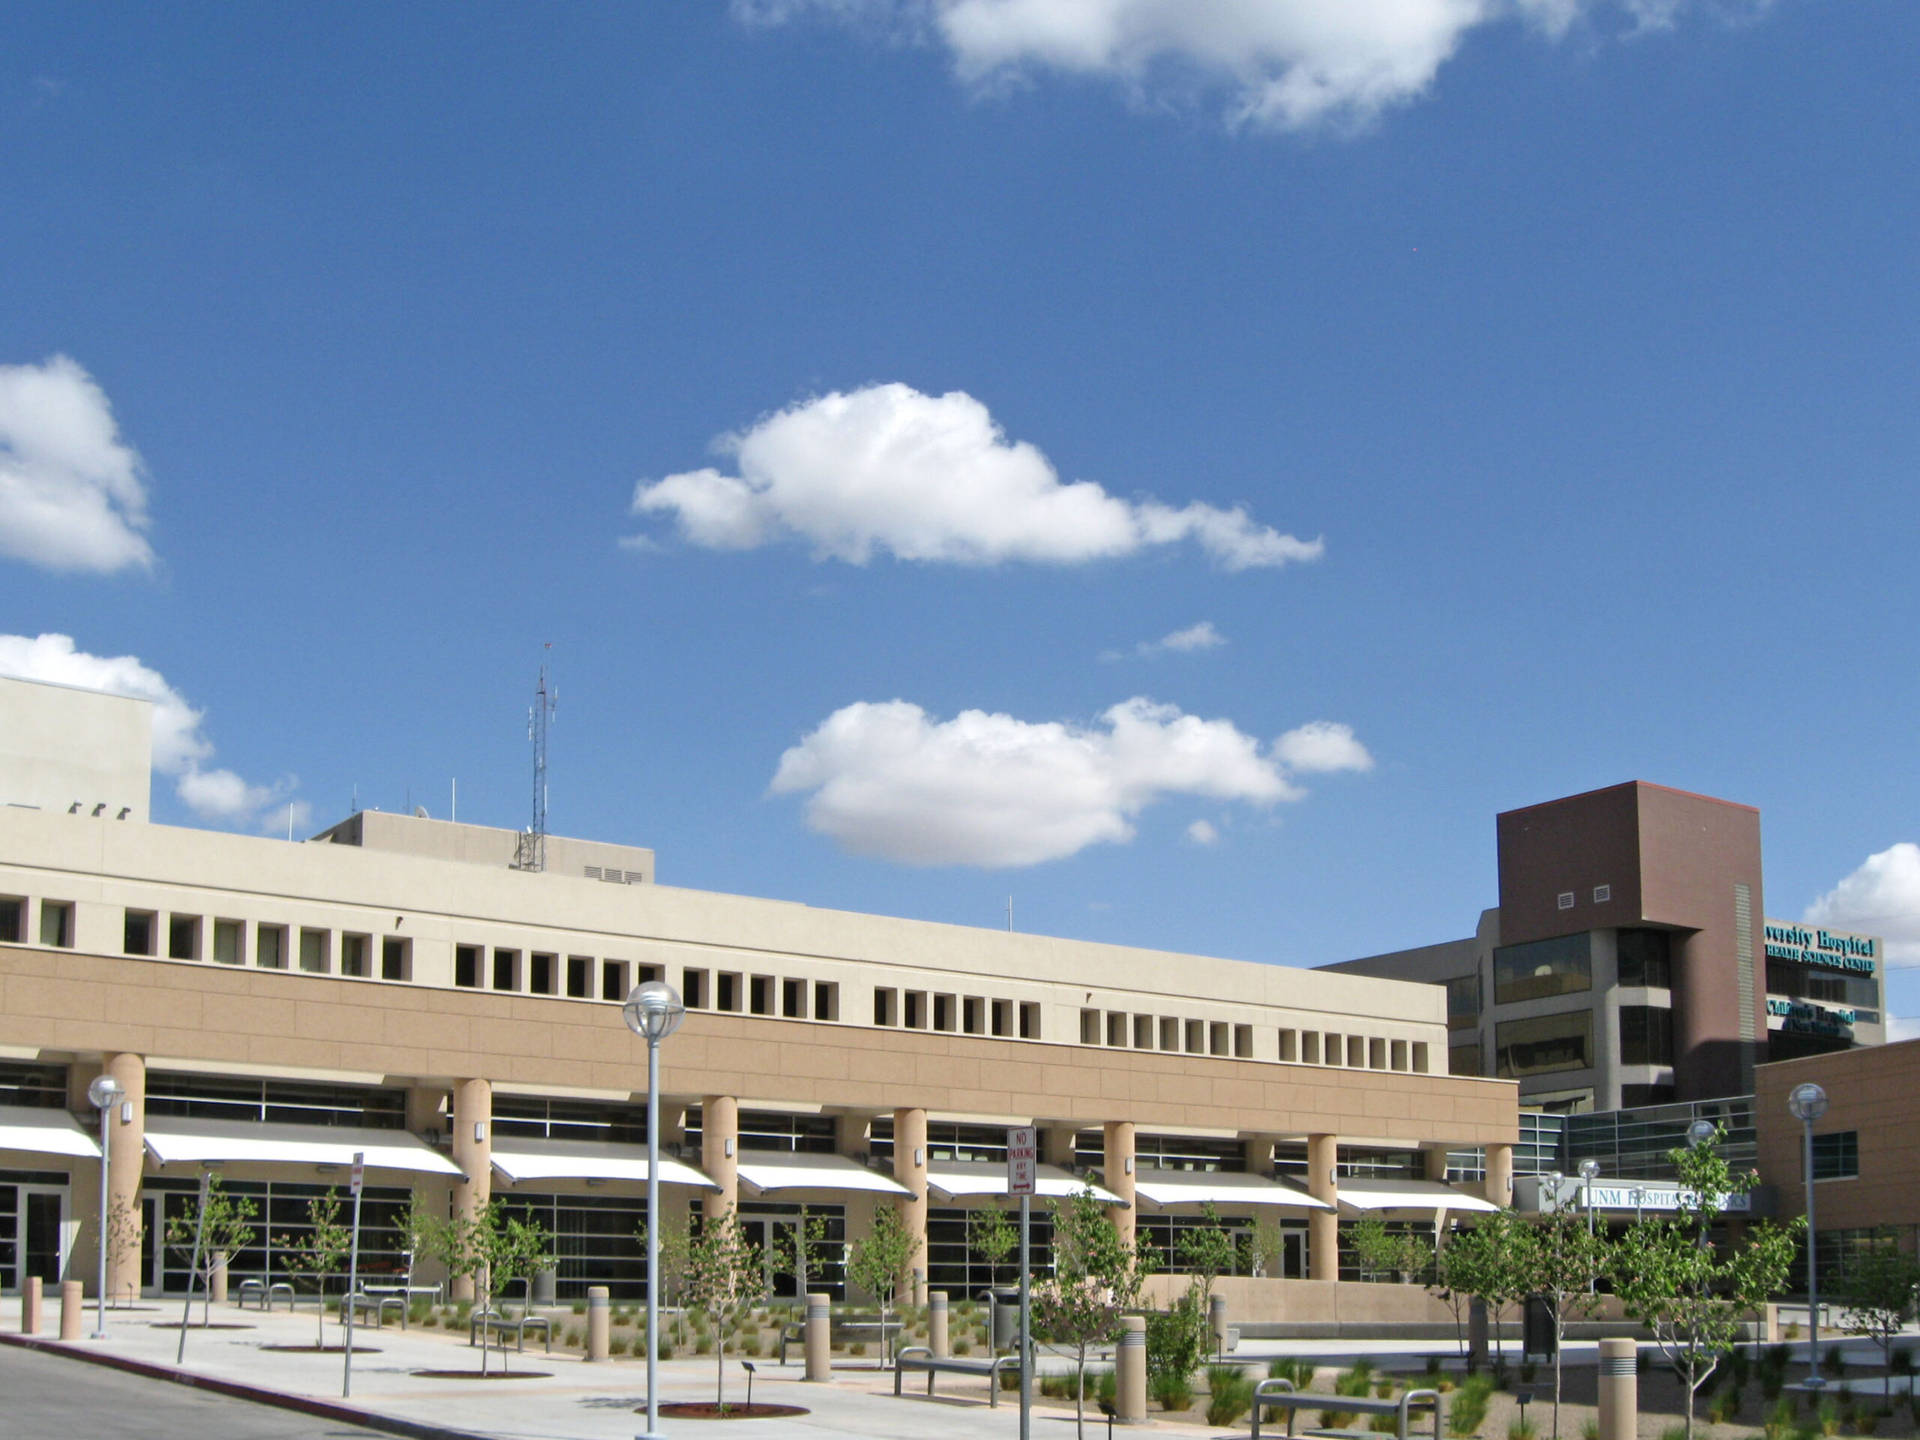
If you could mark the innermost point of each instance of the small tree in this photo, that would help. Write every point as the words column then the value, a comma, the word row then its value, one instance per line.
column 1670, row 1278
column 1400, row 1253
column 991, row 1236
column 724, row 1271
column 489, row 1248
column 1096, row 1280
column 673, row 1259
column 1560, row 1259
column 1477, row 1264
column 126, row 1234
column 1877, row 1290
column 317, row 1254
column 880, row 1259
column 224, row 1226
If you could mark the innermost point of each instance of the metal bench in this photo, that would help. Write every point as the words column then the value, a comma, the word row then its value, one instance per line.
column 1280, row 1393
column 361, row 1302
column 499, row 1323
column 919, row 1357
column 264, row 1292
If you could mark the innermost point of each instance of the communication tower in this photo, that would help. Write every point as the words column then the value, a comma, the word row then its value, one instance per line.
column 531, row 854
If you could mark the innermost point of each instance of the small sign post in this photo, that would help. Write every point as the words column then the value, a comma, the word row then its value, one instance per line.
column 353, row 1268
column 1023, row 1157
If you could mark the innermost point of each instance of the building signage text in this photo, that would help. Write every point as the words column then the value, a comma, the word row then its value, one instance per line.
column 1804, row 1019
column 1810, row 945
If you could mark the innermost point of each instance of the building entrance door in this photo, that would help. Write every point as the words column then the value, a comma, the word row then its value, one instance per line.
column 43, row 1235
column 774, row 1240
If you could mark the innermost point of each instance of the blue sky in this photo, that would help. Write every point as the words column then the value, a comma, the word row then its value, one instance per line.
column 1491, row 401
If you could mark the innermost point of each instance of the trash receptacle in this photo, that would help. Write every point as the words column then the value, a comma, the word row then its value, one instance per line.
column 1537, row 1331
column 1005, row 1301
column 545, row 1284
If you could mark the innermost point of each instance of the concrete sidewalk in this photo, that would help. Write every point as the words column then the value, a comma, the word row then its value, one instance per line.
column 568, row 1399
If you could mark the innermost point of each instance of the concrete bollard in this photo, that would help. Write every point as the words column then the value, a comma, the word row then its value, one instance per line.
column 1217, row 1321
column 72, row 1309
column 1619, row 1390
column 819, row 1337
column 919, row 1287
column 599, row 1322
column 30, row 1306
column 937, row 1324
column 1130, row 1373
column 220, row 1281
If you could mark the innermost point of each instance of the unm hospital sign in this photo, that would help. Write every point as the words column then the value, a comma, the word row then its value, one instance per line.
column 1831, row 949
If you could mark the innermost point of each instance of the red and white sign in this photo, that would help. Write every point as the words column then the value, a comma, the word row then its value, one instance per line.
column 359, row 1171
column 1023, row 1158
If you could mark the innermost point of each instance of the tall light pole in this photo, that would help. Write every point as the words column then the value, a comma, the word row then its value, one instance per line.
column 103, row 1092
column 653, row 1011
column 1589, row 1171
column 1808, row 1103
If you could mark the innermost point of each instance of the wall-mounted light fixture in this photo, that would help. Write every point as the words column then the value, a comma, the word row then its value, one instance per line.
column 479, row 1132
column 919, row 1157
column 126, row 1112
column 726, row 1147
column 1129, row 1165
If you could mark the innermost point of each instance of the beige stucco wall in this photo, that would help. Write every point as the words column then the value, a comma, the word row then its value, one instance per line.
column 59, row 745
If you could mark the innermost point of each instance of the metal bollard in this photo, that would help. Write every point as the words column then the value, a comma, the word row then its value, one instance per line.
column 72, row 1306
column 30, row 1306
column 1130, row 1373
column 937, row 1324
column 599, row 1321
column 819, row 1337
column 1619, row 1390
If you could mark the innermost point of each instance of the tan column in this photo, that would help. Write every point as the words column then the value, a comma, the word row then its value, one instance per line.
column 126, row 1160
column 910, row 1169
column 937, row 1326
column 1056, row 1145
column 819, row 1336
column 720, row 1153
column 1323, row 1226
column 1619, row 1390
column 1118, row 1170
column 600, row 1323
column 30, row 1306
column 1435, row 1157
column 1499, row 1183
column 1130, row 1372
column 473, row 1153
column 72, row 1309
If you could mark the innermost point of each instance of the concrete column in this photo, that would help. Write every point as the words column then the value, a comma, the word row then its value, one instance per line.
column 1323, row 1226
column 850, row 1135
column 72, row 1309
column 937, row 1324
column 720, row 1153
column 473, row 1153
column 1118, row 1170
column 30, row 1306
column 910, row 1169
column 819, row 1337
column 1434, row 1158
column 1056, row 1145
column 1619, row 1390
column 599, row 1322
column 1499, row 1184
column 1130, row 1372
column 126, row 1160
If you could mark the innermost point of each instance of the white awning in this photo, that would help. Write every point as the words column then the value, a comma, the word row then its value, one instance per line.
column 45, row 1132
column 1422, row 1196
column 957, row 1180
column 1221, row 1187
column 173, row 1140
column 519, row 1160
column 765, row 1170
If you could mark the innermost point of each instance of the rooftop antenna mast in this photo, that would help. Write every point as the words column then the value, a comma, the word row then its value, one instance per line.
column 531, row 854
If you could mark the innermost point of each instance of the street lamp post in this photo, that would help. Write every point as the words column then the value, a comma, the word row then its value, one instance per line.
column 1554, row 1181
column 103, row 1092
column 1589, row 1170
column 1808, row 1103
column 653, row 1011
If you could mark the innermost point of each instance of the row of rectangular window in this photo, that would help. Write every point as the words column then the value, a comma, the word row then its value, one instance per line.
column 542, row 973
column 273, row 947
column 56, row 922
column 1119, row 1030
column 956, row 1014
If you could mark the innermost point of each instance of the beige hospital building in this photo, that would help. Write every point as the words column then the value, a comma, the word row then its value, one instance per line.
column 399, row 986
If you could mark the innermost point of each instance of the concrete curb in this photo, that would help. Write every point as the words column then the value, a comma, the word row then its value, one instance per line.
column 306, row 1405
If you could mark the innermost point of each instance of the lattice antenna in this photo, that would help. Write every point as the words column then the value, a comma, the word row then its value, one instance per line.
column 532, row 850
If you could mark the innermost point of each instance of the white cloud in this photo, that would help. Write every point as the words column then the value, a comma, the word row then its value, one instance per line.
column 1322, row 747
column 1902, row 1027
column 180, row 745
column 1279, row 64
column 932, row 478
column 991, row 790
column 1881, row 898
column 1202, row 832
column 71, row 494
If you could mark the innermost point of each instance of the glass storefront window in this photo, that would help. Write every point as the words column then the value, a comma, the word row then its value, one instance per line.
column 1560, row 966
column 1544, row 1044
column 1646, row 1035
